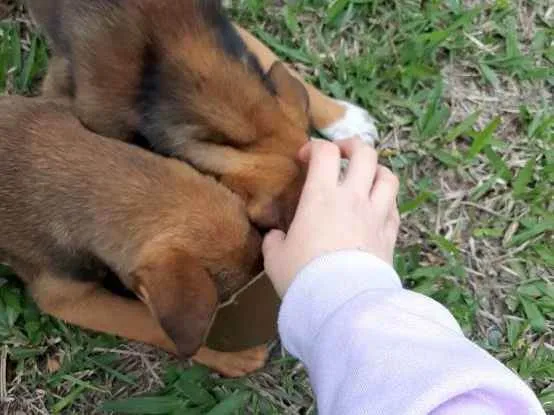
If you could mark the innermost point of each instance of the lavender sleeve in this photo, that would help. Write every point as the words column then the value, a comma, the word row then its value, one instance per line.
column 372, row 347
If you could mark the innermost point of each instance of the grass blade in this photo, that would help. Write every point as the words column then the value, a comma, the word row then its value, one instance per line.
column 335, row 9
column 435, row 115
column 25, row 76
column 232, row 404
column 447, row 159
column 196, row 393
column 82, row 383
column 523, row 178
column 145, row 405
column 536, row 319
column 15, row 49
column 499, row 165
column 68, row 400
column 463, row 127
column 124, row 378
column 287, row 52
column 532, row 232
column 196, row 373
column 482, row 138
column 415, row 203
column 489, row 75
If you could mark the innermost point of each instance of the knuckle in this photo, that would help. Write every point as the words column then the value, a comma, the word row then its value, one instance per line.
column 359, row 201
column 369, row 152
column 351, row 142
column 395, row 217
column 385, row 172
column 357, row 143
column 390, row 177
column 328, row 150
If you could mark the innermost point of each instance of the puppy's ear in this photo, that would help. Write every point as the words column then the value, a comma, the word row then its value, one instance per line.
column 180, row 294
column 290, row 91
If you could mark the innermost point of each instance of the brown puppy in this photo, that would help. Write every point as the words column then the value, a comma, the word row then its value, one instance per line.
column 177, row 74
column 75, row 205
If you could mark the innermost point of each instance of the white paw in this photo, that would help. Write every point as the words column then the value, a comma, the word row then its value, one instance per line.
column 355, row 122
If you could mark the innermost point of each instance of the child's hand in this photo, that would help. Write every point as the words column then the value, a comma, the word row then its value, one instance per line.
column 359, row 212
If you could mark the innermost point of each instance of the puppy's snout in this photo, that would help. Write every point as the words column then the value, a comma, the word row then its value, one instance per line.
column 265, row 214
column 275, row 214
column 275, row 207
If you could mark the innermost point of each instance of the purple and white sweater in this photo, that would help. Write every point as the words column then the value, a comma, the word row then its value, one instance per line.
column 372, row 347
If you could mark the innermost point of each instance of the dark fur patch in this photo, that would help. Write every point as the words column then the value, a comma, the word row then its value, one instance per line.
column 150, row 86
column 230, row 40
column 113, row 284
column 148, row 96
column 87, row 268
column 150, row 135
column 55, row 29
column 81, row 267
column 141, row 141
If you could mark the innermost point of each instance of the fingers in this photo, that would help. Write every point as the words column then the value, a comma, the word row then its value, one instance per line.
column 383, row 194
column 393, row 222
column 273, row 240
column 364, row 174
column 273, row 249
column 324, row 164
column 362, row 166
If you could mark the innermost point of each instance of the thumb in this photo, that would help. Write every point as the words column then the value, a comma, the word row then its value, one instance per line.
column 272, row 241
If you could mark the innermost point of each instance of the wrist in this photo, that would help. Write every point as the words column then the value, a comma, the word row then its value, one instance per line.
column 324, row 285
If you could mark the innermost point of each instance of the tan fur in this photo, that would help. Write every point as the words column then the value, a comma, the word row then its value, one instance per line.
column 203, row 95
column 74, row 205
column 324, row 111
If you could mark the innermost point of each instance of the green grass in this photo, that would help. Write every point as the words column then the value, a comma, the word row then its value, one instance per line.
column 462, row 91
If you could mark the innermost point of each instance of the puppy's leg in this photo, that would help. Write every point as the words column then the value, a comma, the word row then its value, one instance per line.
column 335, row 119
column 89, row 306
column 232, row 364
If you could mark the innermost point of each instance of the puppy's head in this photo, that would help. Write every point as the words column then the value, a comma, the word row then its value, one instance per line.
column 265, row 170
column 282, row 130
column 206, row 255
column 179, row 293
column 213, row 100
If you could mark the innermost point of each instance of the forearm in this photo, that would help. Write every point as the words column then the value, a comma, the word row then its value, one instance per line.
column 372, row 347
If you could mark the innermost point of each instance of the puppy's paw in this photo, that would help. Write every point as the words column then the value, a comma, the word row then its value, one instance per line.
column 236, row 364
column 245, row 362
column 355, row 122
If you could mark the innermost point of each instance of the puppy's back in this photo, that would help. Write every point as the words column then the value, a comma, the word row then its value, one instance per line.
column 74, row 205
column 57, row 17
column 42, row 140
column 61, row 185
column 46, row 153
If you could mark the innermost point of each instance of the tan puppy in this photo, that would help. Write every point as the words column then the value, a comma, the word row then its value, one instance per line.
column 175, row 75
column 75, row 206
